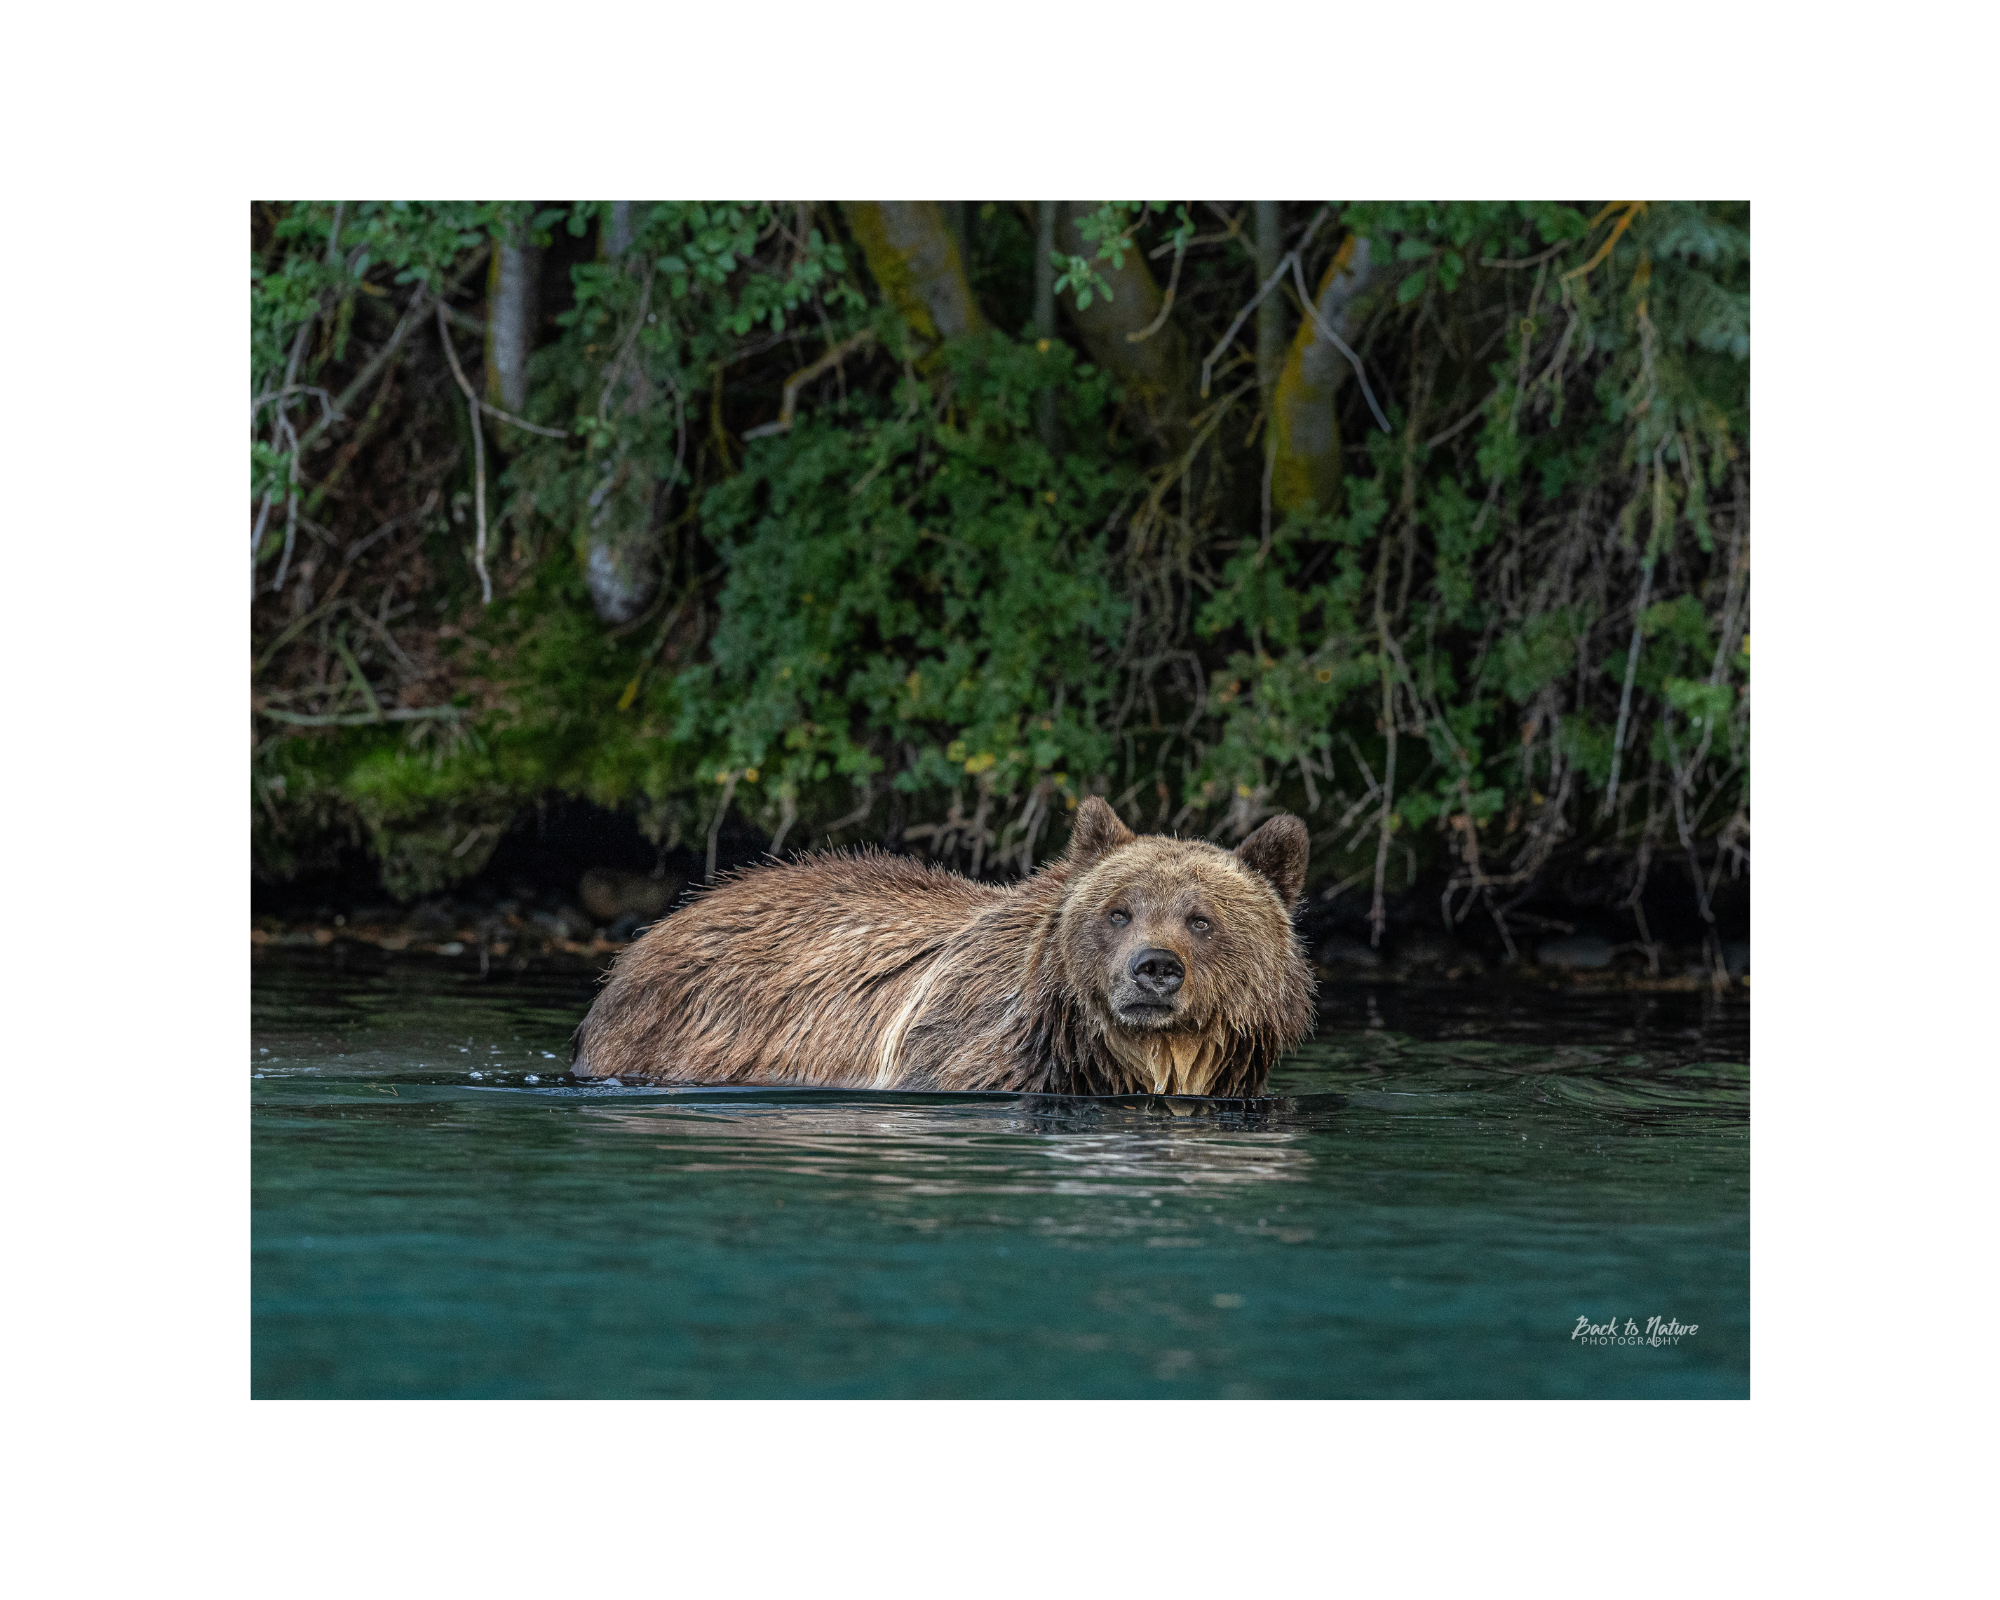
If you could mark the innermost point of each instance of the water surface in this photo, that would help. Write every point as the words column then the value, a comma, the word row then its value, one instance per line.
column 1440, row 1185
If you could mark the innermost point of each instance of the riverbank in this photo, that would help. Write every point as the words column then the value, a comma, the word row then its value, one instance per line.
column 518, row 938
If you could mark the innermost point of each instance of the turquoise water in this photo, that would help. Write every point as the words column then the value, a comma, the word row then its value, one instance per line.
column 1439, row 1187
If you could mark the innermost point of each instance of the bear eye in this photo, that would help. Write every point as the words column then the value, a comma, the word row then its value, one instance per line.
column 1120, row 918
column 1199, row 924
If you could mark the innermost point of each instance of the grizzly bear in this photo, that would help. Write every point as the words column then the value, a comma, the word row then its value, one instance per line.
column 1128, row 966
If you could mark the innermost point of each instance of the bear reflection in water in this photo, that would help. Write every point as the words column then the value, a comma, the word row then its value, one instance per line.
column 1131, row 965
column 1031, row 1146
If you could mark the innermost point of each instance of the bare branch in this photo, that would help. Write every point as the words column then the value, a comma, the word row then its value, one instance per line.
column 419, row 303
column 361, row 719
column 479, row 460
column 521, row 422
column 257, row 536
column 798, row 380
column 715, row 822
column 1270, row 283
column 1167, row 304
column 1463, row 422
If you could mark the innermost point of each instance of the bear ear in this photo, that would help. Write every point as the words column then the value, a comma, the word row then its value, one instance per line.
column 1097, row 830
column 1278, row 851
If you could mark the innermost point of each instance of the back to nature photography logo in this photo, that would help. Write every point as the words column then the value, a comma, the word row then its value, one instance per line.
column 1658, row 1331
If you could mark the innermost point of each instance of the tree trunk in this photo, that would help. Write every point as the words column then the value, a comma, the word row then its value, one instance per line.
column 1046, row 423
column 1307, row 472
column 957, row 220
column 619, row 230
column 917, row 264
column 619, row 540
column 1156, row 371
column 510, row 320
column 1270, row 314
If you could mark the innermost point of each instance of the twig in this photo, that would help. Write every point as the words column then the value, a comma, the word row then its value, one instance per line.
column 257, row 537
column 798, row 380
column 868, row 798
column 1233, row 231
column 788, row 813
column 479, row 459
column 284, row 429
column 1551, row 377
column 291, row 502
column 1683, row 782
column 362, row 719
column 715, row 824
column 1270, row 469
column 1159, row 493
column 1378, row 912
column 1353, row 881
column 1625, row 698
column 1463, row 422
column 1340, row 344
column 329, row 410
column 889, row 455
column 630, row 342
column 1270, row 283
column 1642, row 869
column 325, row 608
column 419, row 303
column 1634, row 209
column 1306, row 772
column 381, row 631
column 264, row 399
column 361, row 545
column 1549, row 254
column 360, row 678
column 1166, row 305
column 521, row 422
column 1723, row 645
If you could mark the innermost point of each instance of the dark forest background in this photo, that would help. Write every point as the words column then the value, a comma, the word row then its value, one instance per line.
column 773, row 525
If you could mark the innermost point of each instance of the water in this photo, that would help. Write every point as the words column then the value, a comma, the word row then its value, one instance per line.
column 1440, row 1186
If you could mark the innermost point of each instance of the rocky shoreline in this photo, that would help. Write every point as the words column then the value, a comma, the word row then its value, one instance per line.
column 502, row 939
column 576, row 887
column 516, row 936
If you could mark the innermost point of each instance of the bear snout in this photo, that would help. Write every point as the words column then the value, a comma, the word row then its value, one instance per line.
column 1156, row 972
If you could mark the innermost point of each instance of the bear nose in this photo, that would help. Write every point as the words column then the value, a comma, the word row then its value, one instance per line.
column 1157, row 971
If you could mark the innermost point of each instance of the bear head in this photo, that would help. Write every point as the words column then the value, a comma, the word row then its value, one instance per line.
column 1180, row 938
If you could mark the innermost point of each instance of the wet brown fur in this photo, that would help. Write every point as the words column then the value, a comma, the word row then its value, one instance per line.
column 878, row 972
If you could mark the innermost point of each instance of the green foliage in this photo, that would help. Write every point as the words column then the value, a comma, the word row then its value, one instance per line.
column 1537, row 651
column 962, row 577
column 320, row 259
column 1109, row 232
column 916, row 588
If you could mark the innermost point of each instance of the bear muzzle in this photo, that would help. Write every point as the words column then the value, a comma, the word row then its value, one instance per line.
column 1147, row 994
